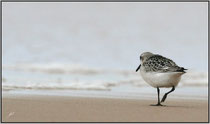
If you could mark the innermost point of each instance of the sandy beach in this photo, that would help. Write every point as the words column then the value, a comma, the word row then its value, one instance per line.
column 77, row 61
column 40, row 108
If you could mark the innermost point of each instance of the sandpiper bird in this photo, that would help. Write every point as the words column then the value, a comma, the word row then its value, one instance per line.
column 159, row 71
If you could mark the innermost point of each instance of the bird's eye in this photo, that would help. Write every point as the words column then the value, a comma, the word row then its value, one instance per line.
column 140, row 58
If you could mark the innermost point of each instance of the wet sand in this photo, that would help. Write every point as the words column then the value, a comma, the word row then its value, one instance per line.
column 37, row 108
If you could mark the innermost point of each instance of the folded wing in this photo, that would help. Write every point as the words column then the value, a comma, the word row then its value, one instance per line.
column 158, row 63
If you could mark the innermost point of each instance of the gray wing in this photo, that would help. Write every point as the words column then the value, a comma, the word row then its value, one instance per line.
column 158, row 63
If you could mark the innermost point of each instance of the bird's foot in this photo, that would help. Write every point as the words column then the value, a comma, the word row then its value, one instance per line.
column 158, row 104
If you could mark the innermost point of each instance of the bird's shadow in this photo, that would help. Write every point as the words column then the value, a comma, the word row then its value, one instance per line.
column 177, row 106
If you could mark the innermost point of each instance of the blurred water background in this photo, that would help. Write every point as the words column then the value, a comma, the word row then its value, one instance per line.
column 96, row 46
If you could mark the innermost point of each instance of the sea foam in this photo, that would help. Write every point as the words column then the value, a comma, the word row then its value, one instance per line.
column 78, row 77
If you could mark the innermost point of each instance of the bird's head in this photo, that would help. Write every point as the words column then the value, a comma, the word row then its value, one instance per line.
column 143, row 57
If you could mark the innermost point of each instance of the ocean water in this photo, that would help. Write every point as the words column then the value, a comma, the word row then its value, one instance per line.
column 54, row 76
column 96, row 46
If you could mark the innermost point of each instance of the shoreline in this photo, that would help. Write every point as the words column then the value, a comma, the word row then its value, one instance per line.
column 49, row 108
column 122, row 92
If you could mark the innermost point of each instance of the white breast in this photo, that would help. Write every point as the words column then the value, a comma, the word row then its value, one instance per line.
column 155, row 79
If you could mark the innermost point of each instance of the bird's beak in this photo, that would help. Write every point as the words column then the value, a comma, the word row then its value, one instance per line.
column 138, row 68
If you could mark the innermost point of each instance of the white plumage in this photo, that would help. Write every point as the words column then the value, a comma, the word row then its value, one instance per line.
column 155, row 79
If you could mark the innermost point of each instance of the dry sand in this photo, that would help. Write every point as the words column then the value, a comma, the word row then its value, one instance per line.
column 81, row 109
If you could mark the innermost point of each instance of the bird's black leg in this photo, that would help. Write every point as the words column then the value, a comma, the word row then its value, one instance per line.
column 165, row 96
column 158, row 90
column 158, row 104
